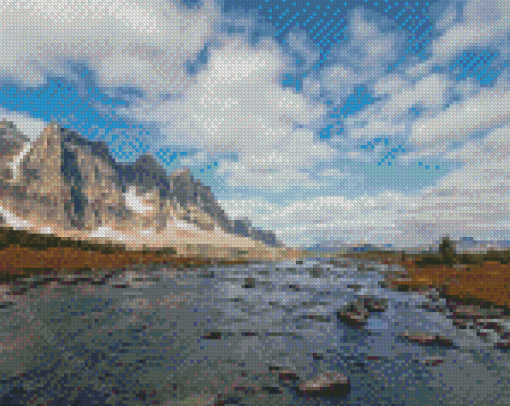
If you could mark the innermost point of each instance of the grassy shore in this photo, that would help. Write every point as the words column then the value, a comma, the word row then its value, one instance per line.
column 483, row 278
column 23, row 253
column 478, row 278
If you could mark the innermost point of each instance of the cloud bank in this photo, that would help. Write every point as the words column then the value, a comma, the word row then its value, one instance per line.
column 263, row 136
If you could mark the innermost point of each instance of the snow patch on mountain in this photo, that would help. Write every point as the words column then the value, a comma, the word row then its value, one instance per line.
column 14, row 221
column 15, row 164
column 135, row 202
column 182, row 225
column 107, row 232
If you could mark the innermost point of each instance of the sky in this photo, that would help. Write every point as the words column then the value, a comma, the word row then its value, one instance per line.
column 380, row 122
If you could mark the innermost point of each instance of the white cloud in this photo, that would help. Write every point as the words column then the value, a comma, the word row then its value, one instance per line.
column 390, row 84
column 430, row 93
column 299, row 42
column 238, row 105
column 483, row 23
column 256, row 209
column 197, row 159
column 333, row 173
column 135, row 43
column 449, row 17
column 490, row 108
column 471, row 201
column 282, row 167
column 335, row 217
column 434, row 130
column 394, row 218
column 363, row 58
column 390, row 116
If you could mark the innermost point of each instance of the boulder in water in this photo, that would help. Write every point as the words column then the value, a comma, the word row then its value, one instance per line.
column 357, row 312
column 374, row 304
column 354, row 315
column 249, row 283
column 427, row 339
column 433, row 361
column 286, row 377
column 503, row 344
column 326, row 385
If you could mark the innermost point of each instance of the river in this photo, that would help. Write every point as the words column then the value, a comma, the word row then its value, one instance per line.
column 156, row 335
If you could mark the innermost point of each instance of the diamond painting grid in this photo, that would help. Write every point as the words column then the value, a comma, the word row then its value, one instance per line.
column 467, row 117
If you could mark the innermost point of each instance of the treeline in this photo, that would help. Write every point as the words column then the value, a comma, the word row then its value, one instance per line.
column 447, row 255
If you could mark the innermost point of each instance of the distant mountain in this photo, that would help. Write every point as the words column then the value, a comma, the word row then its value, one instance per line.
column 64, row 183
column 331, row 245
column 461, row 244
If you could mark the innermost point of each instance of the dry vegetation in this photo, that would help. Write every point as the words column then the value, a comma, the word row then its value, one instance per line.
column 479, row 278
column 22, row 252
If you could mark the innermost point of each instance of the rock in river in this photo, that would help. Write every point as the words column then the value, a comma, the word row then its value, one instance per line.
column 357, row 312
column 249, row 283
column 214, row 335
column 286, row 377
column 353, row 315
column 427, row 339
column 326, row 385
column 374, row 304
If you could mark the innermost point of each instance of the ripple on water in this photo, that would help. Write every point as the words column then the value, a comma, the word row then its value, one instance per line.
column 159, row 322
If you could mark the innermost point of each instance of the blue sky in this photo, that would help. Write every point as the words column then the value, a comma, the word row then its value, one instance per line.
column 382, row 122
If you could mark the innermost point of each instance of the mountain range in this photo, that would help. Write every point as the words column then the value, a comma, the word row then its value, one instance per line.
column 67, row 186
column 462, row 244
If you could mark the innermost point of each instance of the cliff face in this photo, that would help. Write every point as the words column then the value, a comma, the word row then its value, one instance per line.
column 12, row 144
column 244, row 227
column 196, row 198
column 178, row 195
column 73, row 182
column 68, row 184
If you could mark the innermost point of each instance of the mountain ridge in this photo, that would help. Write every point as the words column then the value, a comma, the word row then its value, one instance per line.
column 74, row 187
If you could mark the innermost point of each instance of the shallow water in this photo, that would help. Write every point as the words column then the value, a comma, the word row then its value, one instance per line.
column 137, row 336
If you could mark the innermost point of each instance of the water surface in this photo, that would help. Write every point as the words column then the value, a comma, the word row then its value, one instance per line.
column 139, row 336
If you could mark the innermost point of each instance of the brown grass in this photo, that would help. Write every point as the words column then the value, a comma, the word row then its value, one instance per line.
column 23, row 252
column 15, row 257
column 478, row 278
column 21, row 261
column 488, row 283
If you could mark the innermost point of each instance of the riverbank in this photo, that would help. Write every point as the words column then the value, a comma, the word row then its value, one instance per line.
column 213, row 334
column 481, row 282
column 23, row 253
column 477, row 295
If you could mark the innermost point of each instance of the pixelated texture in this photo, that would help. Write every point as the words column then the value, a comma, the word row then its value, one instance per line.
column 265, row 202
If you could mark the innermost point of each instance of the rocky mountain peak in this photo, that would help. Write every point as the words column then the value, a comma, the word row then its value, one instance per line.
column 148, row 159
column 8, row 130
column 12, row 144
column 148, row 165
column 68, row 182
column 183, row 173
